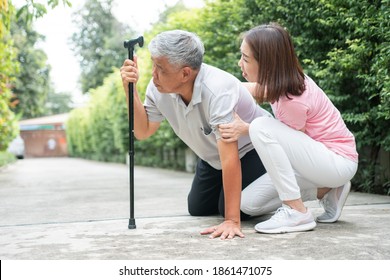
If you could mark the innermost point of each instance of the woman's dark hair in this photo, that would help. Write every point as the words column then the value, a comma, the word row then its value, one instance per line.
column 280, row 72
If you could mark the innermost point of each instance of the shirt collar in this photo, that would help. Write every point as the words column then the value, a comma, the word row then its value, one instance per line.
column 197, row 91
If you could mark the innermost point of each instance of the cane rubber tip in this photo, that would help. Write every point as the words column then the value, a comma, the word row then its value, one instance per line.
column 132, row 224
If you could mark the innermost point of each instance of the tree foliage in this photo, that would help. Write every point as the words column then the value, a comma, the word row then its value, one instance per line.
column 32, row 10
column 99, row 42
column 32, row 83
column 58, row 103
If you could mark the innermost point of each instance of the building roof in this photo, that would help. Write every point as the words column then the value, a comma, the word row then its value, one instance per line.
column 44, row 123
column 54, row 119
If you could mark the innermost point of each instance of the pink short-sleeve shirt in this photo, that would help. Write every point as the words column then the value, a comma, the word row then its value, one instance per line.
column 314, row 113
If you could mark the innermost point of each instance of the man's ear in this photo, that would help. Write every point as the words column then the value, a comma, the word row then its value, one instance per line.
column 187, row 73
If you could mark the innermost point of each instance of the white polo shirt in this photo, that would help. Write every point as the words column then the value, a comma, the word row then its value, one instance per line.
column 217, row 94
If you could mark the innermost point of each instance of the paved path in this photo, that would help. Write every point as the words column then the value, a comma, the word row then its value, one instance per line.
column 72, row 209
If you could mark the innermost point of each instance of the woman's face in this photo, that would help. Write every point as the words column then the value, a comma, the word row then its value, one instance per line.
column 248, row 63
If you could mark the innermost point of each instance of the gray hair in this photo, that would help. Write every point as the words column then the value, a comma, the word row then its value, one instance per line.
column 181, row 48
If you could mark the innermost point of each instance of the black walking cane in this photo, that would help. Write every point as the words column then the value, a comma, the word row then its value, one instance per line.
column 130, row 46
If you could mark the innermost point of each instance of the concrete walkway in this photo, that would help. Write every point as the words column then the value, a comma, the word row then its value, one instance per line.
column 72, row 209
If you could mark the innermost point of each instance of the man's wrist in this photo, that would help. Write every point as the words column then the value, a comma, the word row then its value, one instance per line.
column 233, row 220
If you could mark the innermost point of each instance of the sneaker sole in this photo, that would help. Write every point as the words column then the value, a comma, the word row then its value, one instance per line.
column 305, row 227
column 340, row 205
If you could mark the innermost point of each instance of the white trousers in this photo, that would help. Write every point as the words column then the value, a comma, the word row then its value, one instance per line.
column 296, row 166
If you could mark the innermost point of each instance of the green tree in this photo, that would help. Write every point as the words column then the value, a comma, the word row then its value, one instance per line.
column 220, row 24
column 32, row 83
column 99, row 42
column 58, row 103
column 32, row 10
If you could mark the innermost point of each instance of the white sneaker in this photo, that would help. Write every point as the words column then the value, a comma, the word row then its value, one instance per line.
column 287, row 220
column 333, row 203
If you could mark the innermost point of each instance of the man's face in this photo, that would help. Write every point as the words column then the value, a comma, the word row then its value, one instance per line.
column 248, row 64
column 166, row 77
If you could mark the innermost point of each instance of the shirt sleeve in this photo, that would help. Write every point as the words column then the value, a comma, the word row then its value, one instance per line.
column 293, row 113
column 221, row 108
column 154, row 114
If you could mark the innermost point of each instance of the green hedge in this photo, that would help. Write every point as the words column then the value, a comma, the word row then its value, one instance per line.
column 99, row 130
column 6, row 158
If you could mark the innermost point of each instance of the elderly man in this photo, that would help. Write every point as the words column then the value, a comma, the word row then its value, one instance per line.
column 195, row 98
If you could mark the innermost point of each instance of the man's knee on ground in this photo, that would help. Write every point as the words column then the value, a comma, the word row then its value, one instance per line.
column 198, row 211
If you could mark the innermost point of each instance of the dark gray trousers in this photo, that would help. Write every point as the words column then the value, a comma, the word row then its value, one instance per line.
column 206, row 196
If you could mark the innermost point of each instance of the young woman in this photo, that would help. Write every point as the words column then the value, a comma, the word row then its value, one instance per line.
column 306, row 148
